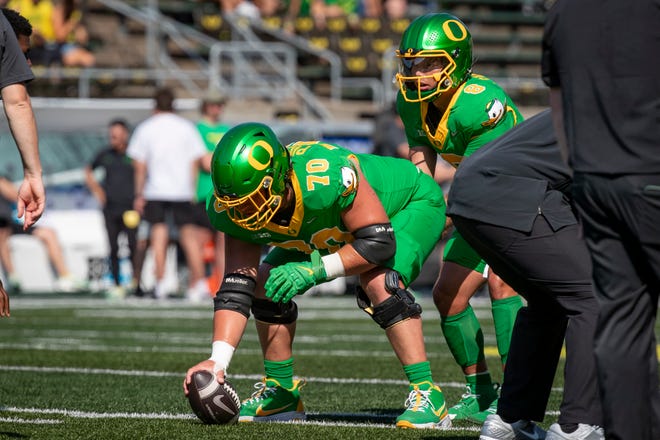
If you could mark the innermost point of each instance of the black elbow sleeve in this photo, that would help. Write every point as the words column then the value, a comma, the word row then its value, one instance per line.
column 375, row 243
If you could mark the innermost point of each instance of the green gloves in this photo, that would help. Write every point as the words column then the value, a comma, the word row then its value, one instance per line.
column 291, row 279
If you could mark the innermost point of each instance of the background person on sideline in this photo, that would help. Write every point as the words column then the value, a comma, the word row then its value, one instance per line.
column 115, row 195
column 600, row 59
column 447, row 110
column 166, row 150
column 65, row 281
column 211, row 128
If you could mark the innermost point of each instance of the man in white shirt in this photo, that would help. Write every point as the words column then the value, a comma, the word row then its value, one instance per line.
column 167, row 150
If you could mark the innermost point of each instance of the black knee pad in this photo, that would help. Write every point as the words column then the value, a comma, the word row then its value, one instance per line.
column 274, row 313
column 398, row 307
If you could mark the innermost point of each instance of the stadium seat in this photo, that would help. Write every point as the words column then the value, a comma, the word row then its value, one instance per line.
column 273, row 22
column 319, row 41
column 370, row 25
column 356, row 65
column 337, row 25
column 350, row 44
column 382, row 45
column 398, row 26
column 303, row 26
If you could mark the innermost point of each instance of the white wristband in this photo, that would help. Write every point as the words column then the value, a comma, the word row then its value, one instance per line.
column 333, row 266
column 221, row 354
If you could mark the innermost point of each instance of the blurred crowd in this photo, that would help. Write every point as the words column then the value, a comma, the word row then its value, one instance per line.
column 59, row 34
column 319, row 10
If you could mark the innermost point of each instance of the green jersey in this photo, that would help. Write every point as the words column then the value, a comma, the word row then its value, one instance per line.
column 479, row 112
column 325, row 182
column 211, row 133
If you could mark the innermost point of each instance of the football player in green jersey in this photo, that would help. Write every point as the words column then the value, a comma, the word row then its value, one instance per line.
column 328, row 213
column 212, row 128
column 449, row 111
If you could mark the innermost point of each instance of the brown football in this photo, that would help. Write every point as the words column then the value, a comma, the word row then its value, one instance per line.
column 212, row 402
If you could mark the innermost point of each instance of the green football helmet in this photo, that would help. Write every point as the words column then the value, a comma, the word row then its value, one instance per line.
column 439, row 43
column 249, row 170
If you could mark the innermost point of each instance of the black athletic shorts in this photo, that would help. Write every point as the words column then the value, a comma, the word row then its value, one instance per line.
column 172, row 213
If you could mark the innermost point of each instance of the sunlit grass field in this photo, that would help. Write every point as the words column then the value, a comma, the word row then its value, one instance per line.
column 83, row 368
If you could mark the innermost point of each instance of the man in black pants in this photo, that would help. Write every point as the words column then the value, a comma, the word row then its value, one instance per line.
column 510, row 201
column 601, row 60
column 115, row 195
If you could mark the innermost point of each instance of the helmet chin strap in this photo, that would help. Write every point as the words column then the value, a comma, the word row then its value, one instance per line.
column 283, row 215
column 289, row 196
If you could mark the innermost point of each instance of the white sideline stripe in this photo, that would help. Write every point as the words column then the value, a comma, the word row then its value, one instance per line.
column 311, row 308
column 194, row 339
column 49, row 346
column 96, row 415
column 29, row 421
column 258, row 377
column 151, row 416
column 371, row 425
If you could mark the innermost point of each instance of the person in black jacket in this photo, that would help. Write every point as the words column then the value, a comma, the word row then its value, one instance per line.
column 601, row 61
column 511, row 202
column 115, row 195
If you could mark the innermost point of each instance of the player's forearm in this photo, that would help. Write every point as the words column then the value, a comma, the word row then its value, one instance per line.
column 424, row 158
column 24, row 130
column 92, row 184
column 228, row 326
column 352, row 262
column 140, row 178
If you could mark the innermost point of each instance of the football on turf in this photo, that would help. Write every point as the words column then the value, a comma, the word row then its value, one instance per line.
column 212, row 402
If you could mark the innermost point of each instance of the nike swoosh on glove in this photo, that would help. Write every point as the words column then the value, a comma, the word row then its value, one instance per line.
column 296, row 278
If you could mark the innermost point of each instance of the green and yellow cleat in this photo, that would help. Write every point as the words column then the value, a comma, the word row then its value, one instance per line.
column 480, row 417
column 474, row 406
column 425, row 408
column 271, row 402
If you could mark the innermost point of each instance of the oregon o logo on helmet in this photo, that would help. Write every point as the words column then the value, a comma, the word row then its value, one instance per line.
column 449, row 32
column 254, row 162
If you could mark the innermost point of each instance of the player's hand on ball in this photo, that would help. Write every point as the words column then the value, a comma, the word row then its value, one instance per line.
column 208, row 365
column 213, row 402
column 291, row 279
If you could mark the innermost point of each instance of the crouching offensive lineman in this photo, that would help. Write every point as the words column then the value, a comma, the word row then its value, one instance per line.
column 329, row 213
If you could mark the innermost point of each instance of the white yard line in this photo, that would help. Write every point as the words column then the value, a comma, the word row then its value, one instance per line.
column 96, row 415
column 310, row 307
column 257, row 377
column 165, row 416
column 29, row 421
column 77, row 346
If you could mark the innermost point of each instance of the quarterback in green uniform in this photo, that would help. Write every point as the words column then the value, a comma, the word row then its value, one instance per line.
column 328, row 213
column 449, row 111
